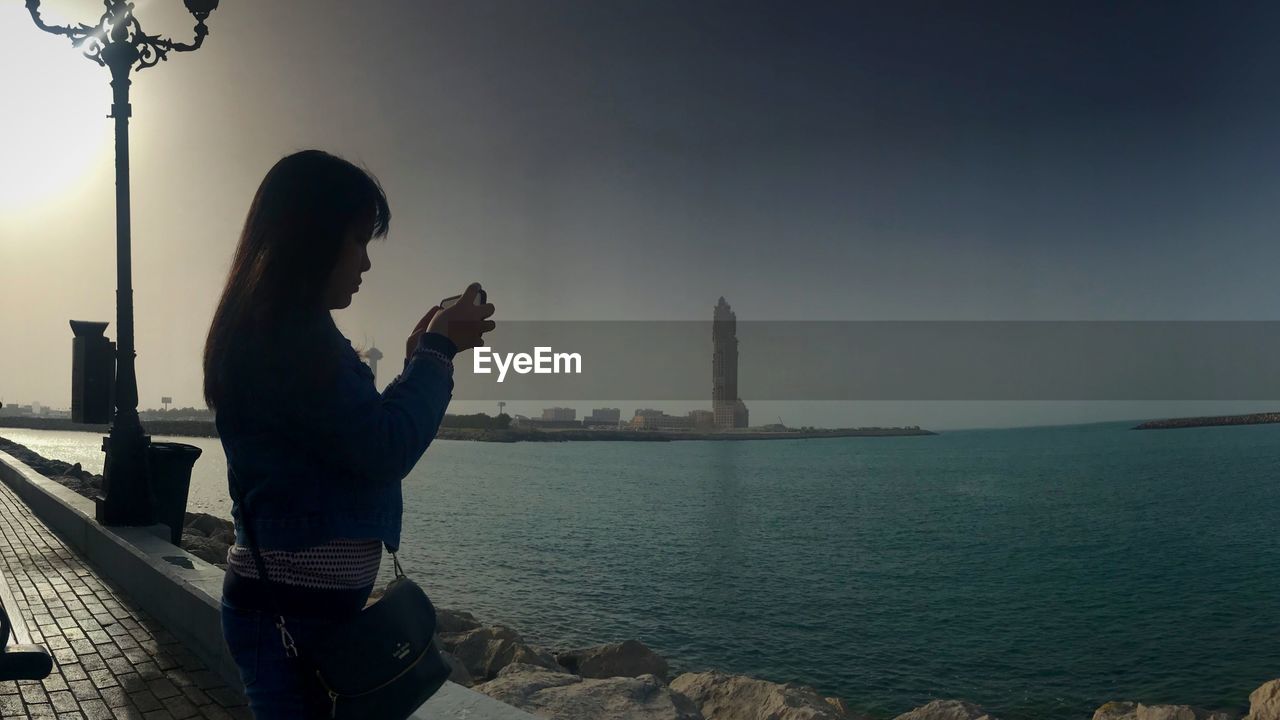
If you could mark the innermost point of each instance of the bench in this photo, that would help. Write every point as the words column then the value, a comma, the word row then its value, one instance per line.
column 21, row 660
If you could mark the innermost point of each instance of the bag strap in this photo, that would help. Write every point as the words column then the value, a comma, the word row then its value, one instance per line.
column 290, row 649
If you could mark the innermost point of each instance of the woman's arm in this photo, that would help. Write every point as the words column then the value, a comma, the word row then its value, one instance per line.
column 377, row 437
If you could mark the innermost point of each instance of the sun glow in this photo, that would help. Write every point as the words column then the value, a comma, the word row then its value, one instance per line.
column 54, row 127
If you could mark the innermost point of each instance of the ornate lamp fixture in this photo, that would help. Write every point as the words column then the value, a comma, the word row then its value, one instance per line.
column 117, row 42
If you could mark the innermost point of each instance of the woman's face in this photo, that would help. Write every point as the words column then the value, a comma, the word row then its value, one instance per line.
column 353, row 260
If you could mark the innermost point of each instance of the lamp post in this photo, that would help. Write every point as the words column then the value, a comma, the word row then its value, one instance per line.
column 118, row 43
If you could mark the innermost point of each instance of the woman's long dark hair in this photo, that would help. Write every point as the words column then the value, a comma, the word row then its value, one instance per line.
column 275, row 288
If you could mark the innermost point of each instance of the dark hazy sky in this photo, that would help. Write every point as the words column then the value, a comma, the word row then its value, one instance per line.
column 636, row 160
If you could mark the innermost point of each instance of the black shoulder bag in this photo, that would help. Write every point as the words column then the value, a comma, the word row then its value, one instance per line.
column 383, row 663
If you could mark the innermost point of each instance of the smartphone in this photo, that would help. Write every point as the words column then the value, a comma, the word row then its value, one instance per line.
column 481, row 299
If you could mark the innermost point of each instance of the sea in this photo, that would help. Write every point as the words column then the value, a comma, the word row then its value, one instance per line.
column 1037, row 572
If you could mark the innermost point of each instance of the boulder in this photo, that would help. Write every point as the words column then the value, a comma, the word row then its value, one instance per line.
column 720, row 696
column 1177, row 712
column 459, row 674
column 630, row 658
column 1264, row 703
column 946, row 710
column 207, row 549
column 77, row 471
column 455, row 621
column 565, row 696
column 1138, row 711
column 1115, row 711
column 486, row 650
column 208, row 525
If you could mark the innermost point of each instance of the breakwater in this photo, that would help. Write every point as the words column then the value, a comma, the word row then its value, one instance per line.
column 206, row 428
column 1210, row 421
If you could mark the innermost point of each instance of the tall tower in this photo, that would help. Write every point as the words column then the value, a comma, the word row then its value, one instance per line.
column 373, row 355
column 726, row 406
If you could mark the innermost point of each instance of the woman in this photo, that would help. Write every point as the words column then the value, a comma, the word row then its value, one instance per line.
column 318, row 454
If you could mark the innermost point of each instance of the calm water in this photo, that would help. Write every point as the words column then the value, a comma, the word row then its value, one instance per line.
column 1037, row 572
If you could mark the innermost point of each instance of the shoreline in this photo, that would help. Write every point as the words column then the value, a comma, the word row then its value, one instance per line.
column 206, row 428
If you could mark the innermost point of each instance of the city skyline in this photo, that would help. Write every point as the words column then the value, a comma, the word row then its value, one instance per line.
column 881, row 162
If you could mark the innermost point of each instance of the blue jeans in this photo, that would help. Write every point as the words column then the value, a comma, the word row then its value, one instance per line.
column 272, row 683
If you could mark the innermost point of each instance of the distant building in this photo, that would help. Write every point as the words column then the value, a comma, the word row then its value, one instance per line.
column 559, row 414
column 540, row 424
column 182, row 413
column 556, row 417
column 605, row 415
column 603, row 418
column 12, row 410
column 372, row 356
column 702, row 419
column 93, row 370
column 727, row 408
column 649, row 412
column 661, row 421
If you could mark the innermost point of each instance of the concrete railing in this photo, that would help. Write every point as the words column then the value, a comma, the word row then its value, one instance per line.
column 178, row 589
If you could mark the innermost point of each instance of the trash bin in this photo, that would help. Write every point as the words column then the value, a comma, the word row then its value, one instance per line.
column 171, row 465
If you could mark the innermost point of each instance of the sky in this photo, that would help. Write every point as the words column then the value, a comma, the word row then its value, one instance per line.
column 637, row 160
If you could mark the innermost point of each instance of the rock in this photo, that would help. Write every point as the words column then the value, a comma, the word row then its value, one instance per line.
column 208, row 525
column 1177, row 712
column 1115, row 711
column 455, row 621
column 459, row 674
column 75, row 484
column 839, row 705
column 486, row 650
column 946, row 710
column 207, row 549
column 76, row 470
column 565, row 696
column 720, row 696
column 1264, row 703
column 1138, row 711
column 630, row 658
column 224, row 537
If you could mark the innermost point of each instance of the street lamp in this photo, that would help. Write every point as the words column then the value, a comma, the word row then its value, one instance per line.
column 117, row 42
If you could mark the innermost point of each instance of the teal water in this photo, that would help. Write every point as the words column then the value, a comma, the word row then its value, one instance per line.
column 1038, row 572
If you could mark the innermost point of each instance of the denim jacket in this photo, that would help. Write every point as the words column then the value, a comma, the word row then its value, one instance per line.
column 329, row 466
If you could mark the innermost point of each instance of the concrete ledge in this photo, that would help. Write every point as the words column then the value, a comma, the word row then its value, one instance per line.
column 178, row 589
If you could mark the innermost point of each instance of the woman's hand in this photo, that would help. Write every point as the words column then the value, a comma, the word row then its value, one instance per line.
column 418, row 329
column 462, row 322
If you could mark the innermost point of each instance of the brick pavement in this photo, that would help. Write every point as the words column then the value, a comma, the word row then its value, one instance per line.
column 111, row 660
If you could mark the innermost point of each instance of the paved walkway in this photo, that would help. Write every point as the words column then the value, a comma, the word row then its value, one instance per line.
column 111, row 660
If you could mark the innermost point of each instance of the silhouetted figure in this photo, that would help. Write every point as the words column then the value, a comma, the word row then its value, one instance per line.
column 315, row 453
